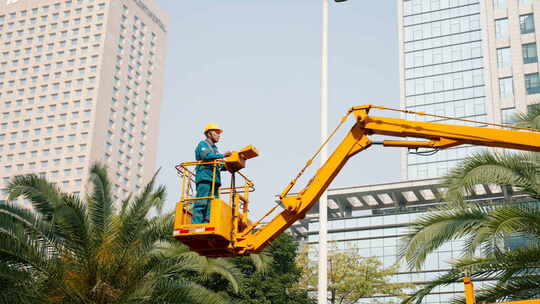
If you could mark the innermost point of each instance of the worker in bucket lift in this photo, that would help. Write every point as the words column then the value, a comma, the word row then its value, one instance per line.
column 206, row 151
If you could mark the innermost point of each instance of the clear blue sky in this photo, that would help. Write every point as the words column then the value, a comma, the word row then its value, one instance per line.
column 253, row 66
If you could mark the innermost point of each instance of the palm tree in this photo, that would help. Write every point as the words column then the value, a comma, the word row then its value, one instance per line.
column 486, row 228
column 66, row 250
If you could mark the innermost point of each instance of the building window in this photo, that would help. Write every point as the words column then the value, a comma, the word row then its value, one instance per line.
column 532, row 83
column 526, row 23
column 501, row 28
column 507, row 115
column 525, row 2
column 504, row 59
column 529, row 53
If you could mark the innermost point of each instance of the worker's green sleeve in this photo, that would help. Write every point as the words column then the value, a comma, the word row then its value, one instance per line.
column 205, row 153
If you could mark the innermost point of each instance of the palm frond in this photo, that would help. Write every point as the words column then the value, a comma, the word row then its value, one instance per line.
column 181, row 291
column 135, row 217
column 33, row 223
column 529, row 119
column 515, row 218
column 72, row 219
column 262, row 261
column 225, row 269
column 432, row 230
column 492, row 168
column 445, row 279
column 43, row 196
column 100, row 202
column 516, row 289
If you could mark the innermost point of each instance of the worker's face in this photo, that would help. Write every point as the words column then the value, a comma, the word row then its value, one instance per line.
column 213, row 135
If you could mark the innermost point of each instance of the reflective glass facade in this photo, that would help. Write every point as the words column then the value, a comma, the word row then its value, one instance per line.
column 529, row 53
column 373, row 219
column 377, row 234
column 526, row 23
column 508, row 115
column 506, row 87
column 501, row 28
column 444, row 71
column 504, row 59
column 532, row 83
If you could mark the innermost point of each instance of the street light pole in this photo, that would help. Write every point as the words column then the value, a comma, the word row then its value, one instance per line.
column 322, row 290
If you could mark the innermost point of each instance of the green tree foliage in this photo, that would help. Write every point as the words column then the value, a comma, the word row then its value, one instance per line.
column 486, row 228
column 486, row 231
column 68, row 250
column 351, row 277
column 269, row 278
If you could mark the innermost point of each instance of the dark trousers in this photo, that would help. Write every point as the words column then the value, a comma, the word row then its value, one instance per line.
column 201, row 208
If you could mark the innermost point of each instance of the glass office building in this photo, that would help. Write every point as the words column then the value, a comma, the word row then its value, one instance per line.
column 373, row 219
column 469, row 59
column 442, row 71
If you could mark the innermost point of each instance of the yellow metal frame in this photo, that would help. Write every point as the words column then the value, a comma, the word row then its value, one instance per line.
column 226, row 218
column 255, row 237
column 470, row 298
column 188, row 181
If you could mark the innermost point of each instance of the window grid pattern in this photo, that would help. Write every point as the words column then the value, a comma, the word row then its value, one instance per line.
column 501, row 28
column 377, row 233
column 508, row 115
column 526, row 23
column 49, row 65
column 504, row 58
column 506, row 87
column 130, row 109
column 444, row 72
column 530, row 54
column 532, row 83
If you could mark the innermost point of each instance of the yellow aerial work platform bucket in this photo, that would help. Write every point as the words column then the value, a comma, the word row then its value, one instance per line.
column 217, row 237
column 206, row 238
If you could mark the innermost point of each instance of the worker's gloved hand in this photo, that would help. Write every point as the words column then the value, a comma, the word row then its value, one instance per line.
column 227, row 154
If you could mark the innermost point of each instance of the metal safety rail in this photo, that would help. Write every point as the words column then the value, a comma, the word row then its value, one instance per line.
column 188, row 194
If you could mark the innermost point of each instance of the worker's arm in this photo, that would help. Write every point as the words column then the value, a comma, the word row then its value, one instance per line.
column 206, row 153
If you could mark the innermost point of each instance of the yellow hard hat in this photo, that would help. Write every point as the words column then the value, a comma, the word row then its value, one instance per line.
column 212, row 126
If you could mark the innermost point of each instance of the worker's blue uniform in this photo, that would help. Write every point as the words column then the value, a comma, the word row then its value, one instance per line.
column 205, row 151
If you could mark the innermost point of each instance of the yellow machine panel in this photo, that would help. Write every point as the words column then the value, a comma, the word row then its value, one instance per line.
column 237, row 160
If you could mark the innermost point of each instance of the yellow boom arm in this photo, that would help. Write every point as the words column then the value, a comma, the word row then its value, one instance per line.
column 435, row 135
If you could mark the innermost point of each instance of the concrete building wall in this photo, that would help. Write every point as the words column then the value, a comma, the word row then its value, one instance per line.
column 520, row 39
column 80, row 81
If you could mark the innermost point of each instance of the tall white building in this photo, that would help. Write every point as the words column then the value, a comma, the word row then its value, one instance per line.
column 466, row 58
column 80, row 81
